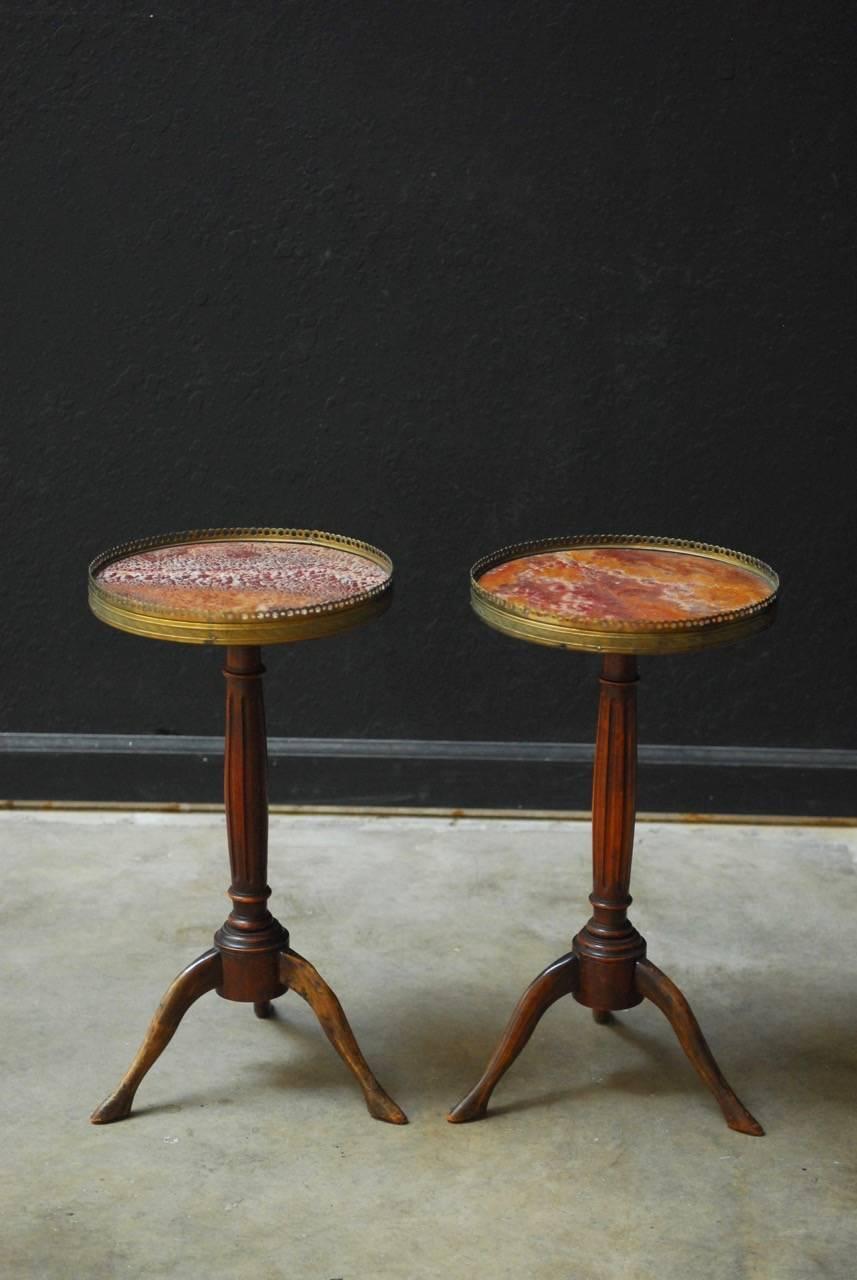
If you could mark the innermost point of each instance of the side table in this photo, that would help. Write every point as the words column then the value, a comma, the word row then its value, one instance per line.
column 619, row 596
column 242, row 588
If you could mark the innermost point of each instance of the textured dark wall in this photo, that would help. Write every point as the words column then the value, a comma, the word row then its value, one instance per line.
column 441, row 276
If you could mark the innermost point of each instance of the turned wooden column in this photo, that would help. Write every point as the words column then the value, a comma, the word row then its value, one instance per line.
column 608, row 946
column 250, row 939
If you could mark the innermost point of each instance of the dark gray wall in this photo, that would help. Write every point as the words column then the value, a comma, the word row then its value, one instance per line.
column 441, row 276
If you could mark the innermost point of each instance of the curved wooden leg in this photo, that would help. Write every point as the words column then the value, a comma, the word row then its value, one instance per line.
column 263, row 1009
column 202, row 975
column 302, row 977
column 658, row 988
column 557, row 980
column 603, row 1017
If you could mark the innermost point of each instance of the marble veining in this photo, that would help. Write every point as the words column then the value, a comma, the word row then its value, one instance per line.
column 241, row 576
column 626, row 584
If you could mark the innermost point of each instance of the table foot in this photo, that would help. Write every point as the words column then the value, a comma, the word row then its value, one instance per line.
column 263, row 1009
column 302, row 977
column 603, row 1017
column 657, row 987
column 204, row 974
column 557, row 980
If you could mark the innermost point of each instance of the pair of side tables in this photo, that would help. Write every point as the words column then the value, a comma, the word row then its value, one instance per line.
column 619, row 596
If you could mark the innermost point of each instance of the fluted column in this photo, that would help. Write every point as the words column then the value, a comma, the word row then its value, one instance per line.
column 608, row 935
column 245, row 788
column 250, row 926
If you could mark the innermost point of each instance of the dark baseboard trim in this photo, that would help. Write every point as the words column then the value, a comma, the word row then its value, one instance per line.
column 148, row 744
column 391, row 772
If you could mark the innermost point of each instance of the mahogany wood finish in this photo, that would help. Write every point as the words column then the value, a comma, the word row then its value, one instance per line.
column 250, row 939
column 658, row 988
column 608, row 945
column 557, row 980
column 202, row 975
column 607, row 967
column 251, row 960
column 302, row 977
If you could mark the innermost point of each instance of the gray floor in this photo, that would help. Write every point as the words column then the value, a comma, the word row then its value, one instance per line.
column 250, row 1153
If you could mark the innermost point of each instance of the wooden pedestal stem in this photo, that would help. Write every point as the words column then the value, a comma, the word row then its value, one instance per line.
column 251, row 960
column 607, row 967
column 608, row 947
column 250, row 939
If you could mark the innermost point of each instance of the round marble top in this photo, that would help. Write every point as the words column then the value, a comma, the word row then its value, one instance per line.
column 581, row 593
column 210, row 585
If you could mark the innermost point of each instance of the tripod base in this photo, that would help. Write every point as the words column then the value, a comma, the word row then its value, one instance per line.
column 563, row 978
column 206, row 974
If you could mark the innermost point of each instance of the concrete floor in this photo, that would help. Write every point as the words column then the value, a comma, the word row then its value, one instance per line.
column 250, row 1153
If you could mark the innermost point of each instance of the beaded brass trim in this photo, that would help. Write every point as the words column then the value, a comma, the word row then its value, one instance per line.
column 613, row 635
column 239, row 627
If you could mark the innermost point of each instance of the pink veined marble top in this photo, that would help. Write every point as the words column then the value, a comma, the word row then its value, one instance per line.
column 240, row 576
column 627, row 584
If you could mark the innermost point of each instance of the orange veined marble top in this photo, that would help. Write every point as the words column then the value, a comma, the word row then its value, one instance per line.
column 240, row 576
column 625, row 584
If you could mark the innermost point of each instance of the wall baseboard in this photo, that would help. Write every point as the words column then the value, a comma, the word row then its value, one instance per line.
column 424, row 772
column 424, row 749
